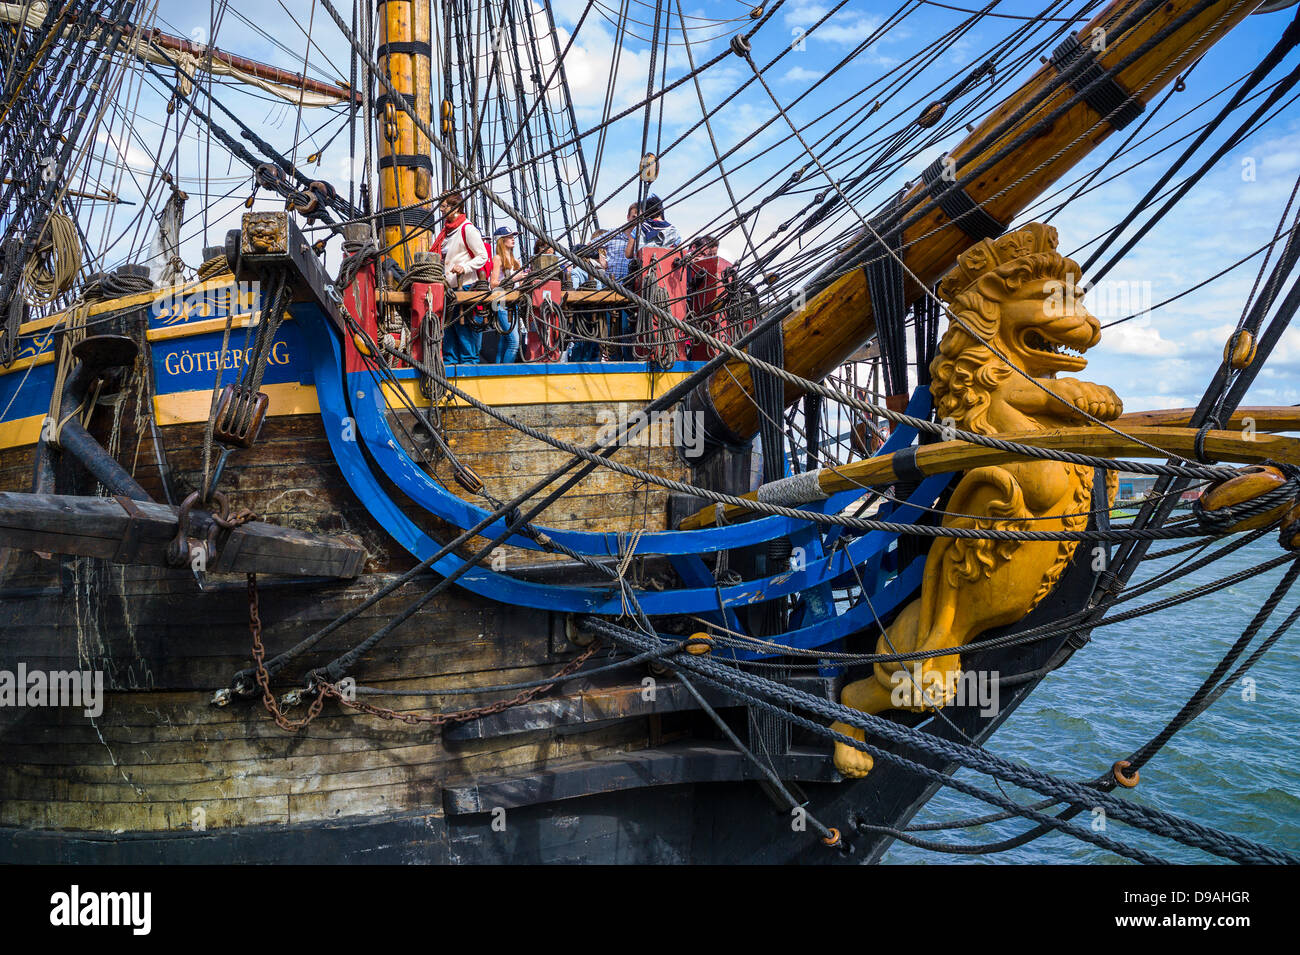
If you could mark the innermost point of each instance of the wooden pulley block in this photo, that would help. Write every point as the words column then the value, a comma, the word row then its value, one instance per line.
column 1288, row 534
column 699, row 644
column 240, row 414
column 649, row 169
column 468, row 478
column 1249, row 484
column 1239, row 352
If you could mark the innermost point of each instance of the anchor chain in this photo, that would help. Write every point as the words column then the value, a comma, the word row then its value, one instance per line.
column 326, row 691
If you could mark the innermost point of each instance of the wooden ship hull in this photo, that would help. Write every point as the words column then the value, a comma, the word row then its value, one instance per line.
column 593, row 771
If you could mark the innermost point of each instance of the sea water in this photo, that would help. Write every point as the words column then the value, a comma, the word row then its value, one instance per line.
column 1235, row 767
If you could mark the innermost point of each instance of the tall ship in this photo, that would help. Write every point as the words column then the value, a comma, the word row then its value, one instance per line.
column 590, row 435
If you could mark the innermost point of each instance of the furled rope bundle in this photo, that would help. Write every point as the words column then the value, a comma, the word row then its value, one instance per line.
column 656, row 340
column 427, row 269
column 55, row 261
column 357, row 253
column 127, row 280
column 211, row 268
column 101, row 287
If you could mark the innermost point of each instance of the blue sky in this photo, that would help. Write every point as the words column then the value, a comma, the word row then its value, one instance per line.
column 1159, row 361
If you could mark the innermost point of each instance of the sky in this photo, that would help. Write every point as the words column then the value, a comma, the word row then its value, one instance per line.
column 1158, row 361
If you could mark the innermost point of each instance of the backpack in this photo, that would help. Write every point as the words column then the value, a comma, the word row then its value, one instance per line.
column 485, row 271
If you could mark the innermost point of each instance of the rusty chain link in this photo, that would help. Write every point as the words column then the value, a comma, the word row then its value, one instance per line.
column 263, row 680
column 327, row 691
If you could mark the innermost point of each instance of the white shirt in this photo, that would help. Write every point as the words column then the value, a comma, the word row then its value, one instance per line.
column 468, row 252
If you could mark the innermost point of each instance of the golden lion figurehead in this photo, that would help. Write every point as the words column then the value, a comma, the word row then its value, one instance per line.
column 1019, row 295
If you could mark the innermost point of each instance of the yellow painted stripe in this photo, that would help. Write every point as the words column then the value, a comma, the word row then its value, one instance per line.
column 189, row 329
column 187, row 407
column 42, row 359
column 20, row 431
column 539, row 389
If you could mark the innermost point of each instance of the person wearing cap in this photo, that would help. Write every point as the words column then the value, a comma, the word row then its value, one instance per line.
column 618, row 247
column 464, row 263
column 505, row 266
column 655, row 229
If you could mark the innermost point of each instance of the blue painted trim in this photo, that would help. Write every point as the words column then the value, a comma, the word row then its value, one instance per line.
column 423, row 490
column 884, row 601
column 327, row 359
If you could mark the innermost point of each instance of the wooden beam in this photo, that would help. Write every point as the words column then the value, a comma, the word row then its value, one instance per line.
column 951, row 456
column 102, row 527
column 1263, row 418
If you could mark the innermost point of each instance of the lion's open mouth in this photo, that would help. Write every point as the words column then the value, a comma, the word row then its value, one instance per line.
column 1055, row 354
column 1037, row 342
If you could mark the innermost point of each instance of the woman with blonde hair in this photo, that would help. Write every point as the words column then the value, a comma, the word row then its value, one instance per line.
column 504, row 266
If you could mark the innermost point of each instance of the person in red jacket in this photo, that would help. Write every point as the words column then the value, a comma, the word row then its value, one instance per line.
column 465, row 262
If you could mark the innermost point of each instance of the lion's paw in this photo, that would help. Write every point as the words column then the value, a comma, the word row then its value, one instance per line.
column 852, row 763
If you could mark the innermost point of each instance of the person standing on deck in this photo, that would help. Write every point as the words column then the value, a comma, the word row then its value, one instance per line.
column 465, row 262
column 505, row 266
column 618, row 248
column 656, row 229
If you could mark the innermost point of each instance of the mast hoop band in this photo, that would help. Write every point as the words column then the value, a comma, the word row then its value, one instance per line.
column 413, row 220
column 409, row 160
column 409, row 47
column 1083, row 72
column 957, row 204
column 383, row 99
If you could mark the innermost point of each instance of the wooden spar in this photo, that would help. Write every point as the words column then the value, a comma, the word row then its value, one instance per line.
column 1263, row 418
column 263, row 71
column 838, row 319
column 103, row 527
column 405, row 163
column 951, row 456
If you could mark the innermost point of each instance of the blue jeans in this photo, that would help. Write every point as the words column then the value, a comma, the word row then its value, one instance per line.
column 584, row 351
column 508, row 347
column 461, row 344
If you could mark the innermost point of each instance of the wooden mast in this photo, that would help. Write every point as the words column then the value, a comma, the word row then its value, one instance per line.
column 838, row 320
column 405, row 166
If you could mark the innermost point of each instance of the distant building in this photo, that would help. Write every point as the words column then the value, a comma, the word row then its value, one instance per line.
column 1134, row 486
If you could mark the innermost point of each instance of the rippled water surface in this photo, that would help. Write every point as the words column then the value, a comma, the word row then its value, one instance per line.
column 1234, row 767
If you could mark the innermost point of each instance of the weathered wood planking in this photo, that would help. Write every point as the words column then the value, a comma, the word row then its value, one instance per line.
column 104, row 527
column 161, row 751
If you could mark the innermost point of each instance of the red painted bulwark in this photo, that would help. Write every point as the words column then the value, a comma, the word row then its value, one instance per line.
column 426, row 299
column 543, row 341
column 359, row 298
